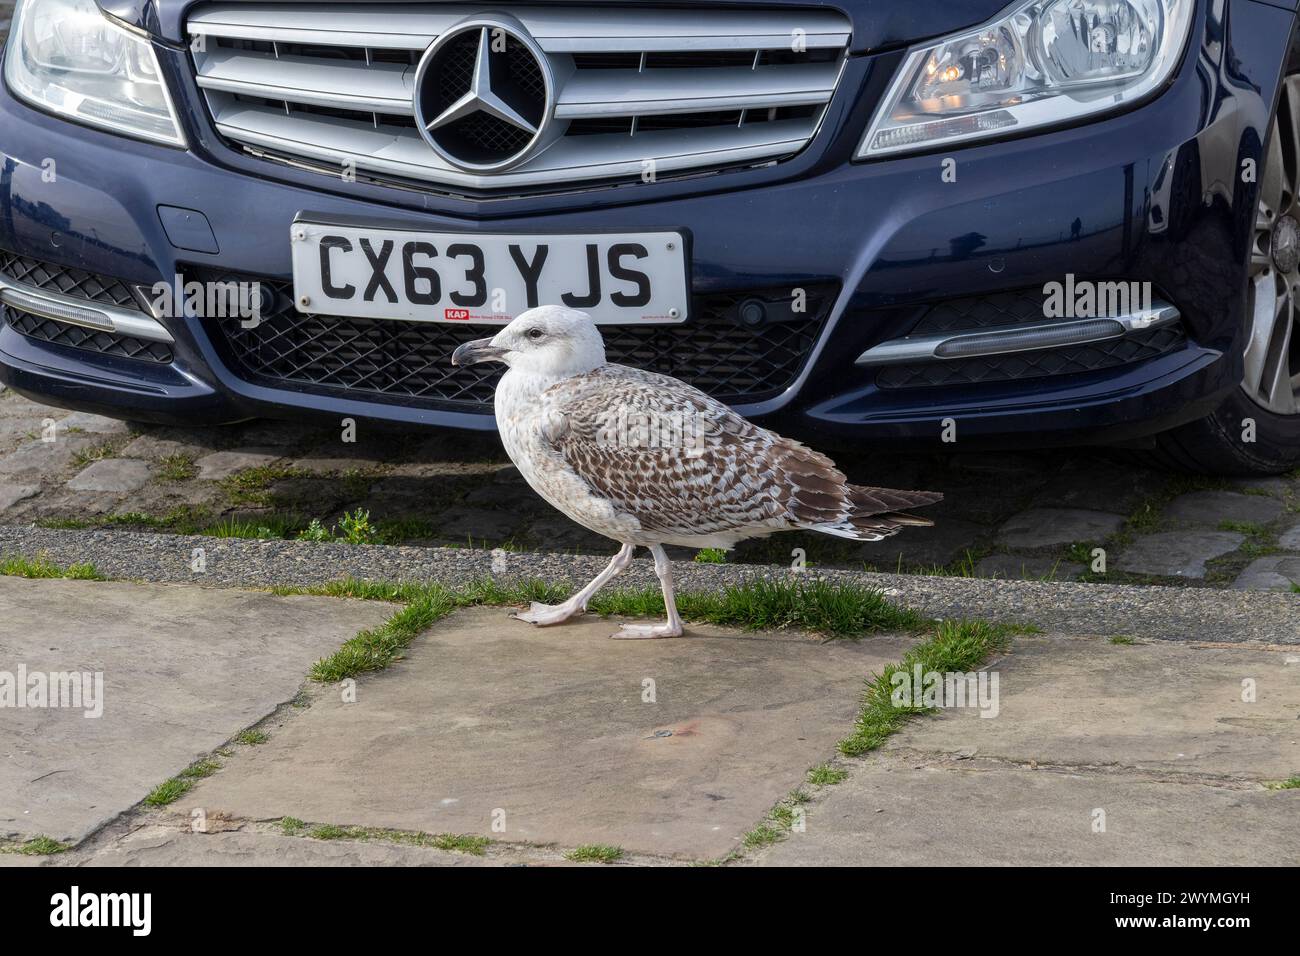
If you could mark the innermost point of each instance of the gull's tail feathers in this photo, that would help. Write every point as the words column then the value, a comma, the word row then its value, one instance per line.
column 878, row 513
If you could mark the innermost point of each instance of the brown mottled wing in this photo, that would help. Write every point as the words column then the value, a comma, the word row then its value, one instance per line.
column 682, row 463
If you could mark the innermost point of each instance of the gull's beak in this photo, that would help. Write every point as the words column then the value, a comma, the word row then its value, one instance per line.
column 480, row 350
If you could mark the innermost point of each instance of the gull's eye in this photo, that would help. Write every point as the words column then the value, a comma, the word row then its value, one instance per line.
column 535, row 334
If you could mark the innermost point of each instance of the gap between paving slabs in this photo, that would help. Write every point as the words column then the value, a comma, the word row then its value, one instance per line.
column 810, row 604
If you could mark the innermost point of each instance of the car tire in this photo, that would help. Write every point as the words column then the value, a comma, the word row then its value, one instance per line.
column 1256, row 431
column 1219, row 443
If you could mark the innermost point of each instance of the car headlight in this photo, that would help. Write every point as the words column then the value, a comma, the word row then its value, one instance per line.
column 1038, row 64
column 66, row 57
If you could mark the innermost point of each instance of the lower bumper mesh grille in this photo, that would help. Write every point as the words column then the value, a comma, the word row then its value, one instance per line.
column 90, row 340
column 409, row 362
column 67, row 280
column 1001, row 309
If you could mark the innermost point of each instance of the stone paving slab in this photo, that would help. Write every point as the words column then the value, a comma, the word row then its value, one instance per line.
column 95, row 424
column 898, row 812
column 40, row 458
column 184, row 668
column 1212, row 508
column 1181, row 554
column 1155, row 707
column 549, row 725
column 112, row 474
column 1274, row 572
column 12, row 492
column 223, row 464
column 1044, row 527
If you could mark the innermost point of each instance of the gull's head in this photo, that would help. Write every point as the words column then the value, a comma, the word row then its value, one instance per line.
column 550, row 340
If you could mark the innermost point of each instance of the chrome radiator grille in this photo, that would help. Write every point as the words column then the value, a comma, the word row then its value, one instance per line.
column 631, row 92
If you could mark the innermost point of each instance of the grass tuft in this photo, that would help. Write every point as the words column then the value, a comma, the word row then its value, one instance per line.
column 252, row 485
column 826, row 776
column 374, row 649
column 327, row 831
column 184, row 519
column 1122, row 639
column 177, row 467
column 595, row 853
column 1243, row 527
column 36, row 846
column 262, row 526
column 169, row 791
column 42, row 567
column 199, row 770
column 837, row 610
column 765, row 834
column 491, row 592
column 251, row 738
column 1081, row 552
column 455, row 842
column 1291, row 783
column 90, row 455
column 956, row 646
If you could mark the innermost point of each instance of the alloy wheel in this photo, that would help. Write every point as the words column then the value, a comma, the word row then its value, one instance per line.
column 1272, row 355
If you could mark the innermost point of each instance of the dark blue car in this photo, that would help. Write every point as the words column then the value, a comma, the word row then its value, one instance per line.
column 933, row 223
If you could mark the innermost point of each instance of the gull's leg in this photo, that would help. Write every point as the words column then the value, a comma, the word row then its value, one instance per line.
column 673, row 626
column 544, row 614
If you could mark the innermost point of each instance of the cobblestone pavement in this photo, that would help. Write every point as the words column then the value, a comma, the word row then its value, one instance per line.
column 1066, row 515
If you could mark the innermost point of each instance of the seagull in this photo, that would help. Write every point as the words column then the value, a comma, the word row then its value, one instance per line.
column 649, row 461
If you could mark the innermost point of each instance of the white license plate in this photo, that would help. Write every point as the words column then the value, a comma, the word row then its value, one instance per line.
column 617, row 278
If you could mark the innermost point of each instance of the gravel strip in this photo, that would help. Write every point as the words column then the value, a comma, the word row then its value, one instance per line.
column 1174, row 614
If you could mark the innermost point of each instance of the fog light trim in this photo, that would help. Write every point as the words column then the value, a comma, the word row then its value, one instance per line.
column 74, row 311
column 1008, row 339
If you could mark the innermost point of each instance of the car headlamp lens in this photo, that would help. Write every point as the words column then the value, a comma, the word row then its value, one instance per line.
column 66, row 57
column 1044, row 62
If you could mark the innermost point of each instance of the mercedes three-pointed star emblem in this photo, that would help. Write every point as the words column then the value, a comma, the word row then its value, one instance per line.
column 479, row 97
column 483, row 95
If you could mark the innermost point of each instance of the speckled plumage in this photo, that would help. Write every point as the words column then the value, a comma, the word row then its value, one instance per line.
column 648, row 460
column 605, row 447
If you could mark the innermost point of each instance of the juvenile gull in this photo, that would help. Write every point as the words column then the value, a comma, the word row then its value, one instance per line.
column 648, row 460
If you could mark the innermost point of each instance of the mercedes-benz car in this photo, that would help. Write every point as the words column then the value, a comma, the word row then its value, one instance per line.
column 927, row 223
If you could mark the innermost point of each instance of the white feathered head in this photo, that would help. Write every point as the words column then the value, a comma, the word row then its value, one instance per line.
column 551, row 341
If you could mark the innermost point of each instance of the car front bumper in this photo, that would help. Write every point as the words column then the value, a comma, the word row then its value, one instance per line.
column 1152, row 195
